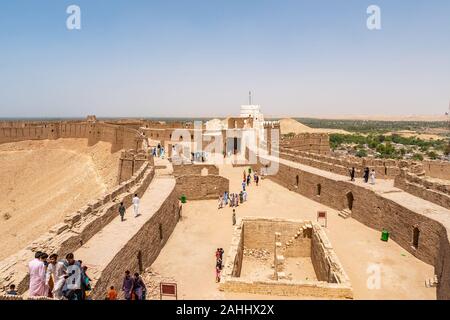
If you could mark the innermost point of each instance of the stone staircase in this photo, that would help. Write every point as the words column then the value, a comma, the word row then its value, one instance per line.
column 345, row 214
column 300, row 232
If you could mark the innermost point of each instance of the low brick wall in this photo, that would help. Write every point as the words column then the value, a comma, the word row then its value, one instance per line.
column 253, row 232
column 437, row 169
column 384, row 168
column 77, row 228
column 195, row 169
column 423, row 188
column 197, row 187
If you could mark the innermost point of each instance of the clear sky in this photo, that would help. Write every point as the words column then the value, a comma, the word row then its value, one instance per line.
column 201, row 57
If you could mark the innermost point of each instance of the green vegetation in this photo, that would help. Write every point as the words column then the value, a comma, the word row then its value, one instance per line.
column 371, row 126
column 387, row 145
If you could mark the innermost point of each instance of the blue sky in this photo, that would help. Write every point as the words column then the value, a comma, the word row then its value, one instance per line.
column 200, row 57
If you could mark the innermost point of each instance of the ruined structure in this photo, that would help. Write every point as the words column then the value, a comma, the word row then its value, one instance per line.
column 304, row 263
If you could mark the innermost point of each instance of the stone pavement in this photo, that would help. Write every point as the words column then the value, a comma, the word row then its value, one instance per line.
column 101, row 249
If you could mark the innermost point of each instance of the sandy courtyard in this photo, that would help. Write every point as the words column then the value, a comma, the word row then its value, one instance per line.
column 188, row 257
column 42, row 181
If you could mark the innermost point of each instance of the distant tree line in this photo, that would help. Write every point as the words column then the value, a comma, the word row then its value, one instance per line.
column 371, row 126
column 384, row 145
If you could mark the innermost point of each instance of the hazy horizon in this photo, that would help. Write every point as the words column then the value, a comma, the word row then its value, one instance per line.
column 199, row 58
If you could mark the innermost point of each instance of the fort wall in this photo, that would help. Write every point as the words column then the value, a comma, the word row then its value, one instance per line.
column 120, row 137
column 308, row 142
column 384, row 168
column 198, row 187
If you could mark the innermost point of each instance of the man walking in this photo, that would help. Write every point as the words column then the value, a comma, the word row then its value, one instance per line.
column 136, row 205
column 127, row 285
column 37, row 272
column 372, row 177
column 352, row 174
column 234, row 217
column 122, row 210
column 366, row 175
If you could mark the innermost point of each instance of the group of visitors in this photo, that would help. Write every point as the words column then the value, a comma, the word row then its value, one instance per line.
column 247, row 178
column 219, row 263
column 232, row 199
column 158, row 151
column 63, row 279
column 133, row 287
column 367, row 174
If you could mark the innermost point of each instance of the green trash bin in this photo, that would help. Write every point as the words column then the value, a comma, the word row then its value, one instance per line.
column 183, row 198
column 384, row 235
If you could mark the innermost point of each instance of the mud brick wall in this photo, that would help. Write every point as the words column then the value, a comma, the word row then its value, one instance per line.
column 308, row 142
column 384, row 168
column 260, row 234
column 142, row 249
column 195, row 169
column 325, row 261
column 197, row 187
column 130, row 162
column 437, row 169
column 424, row 188
column 120, row 137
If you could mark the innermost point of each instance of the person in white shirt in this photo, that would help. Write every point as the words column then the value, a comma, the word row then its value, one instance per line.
column 372, row 177
column 136, row 205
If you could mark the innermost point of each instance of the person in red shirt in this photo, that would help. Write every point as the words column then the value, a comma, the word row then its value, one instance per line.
column 112, row 294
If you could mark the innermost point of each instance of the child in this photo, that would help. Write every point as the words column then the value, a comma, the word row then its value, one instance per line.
column 112, row 294
column 12, row 290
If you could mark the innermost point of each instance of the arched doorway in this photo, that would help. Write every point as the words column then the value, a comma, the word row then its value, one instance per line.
column 297, row 181
column 319, row 189
column 350, row 200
